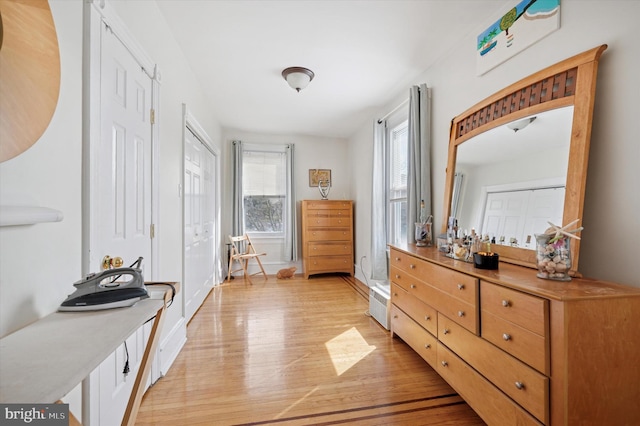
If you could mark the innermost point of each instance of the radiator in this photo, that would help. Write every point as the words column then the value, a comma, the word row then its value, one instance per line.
column 379, row 303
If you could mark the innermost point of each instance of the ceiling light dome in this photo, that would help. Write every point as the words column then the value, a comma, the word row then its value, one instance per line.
column 298, row 77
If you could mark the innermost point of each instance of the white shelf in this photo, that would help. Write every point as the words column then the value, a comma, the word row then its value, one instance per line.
column 28, row 215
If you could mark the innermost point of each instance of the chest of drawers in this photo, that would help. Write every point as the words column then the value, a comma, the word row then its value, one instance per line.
column 327, row 236
column 519, row 349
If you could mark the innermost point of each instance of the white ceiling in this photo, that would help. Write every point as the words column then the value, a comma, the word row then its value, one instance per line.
column 364, row 53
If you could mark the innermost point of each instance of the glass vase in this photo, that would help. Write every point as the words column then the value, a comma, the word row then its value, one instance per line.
column 553, row 257
column 423, row 234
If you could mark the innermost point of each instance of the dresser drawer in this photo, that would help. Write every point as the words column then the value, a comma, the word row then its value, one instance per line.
column 328, row 221
column 489, row 402
column 330, row 263
column 456, row 284
column 329, row 235
column 327, row 204
column 422, row 313
column 529, row 347
column 527, row 311
column 522, row 383
column 328, row 249
column 407, row 263
column 403, row 278
column 413, row 335
column 465, row 314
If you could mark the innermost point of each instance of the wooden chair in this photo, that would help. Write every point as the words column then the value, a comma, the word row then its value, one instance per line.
column 242, row 250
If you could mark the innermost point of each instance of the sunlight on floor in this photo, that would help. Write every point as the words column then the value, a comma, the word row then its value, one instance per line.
column 347, row 349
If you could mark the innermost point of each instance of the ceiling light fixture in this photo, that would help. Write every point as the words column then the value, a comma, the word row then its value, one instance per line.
column 520, row 124
column 298, row 77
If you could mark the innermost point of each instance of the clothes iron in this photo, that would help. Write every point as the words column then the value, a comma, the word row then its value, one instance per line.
column 99, row 291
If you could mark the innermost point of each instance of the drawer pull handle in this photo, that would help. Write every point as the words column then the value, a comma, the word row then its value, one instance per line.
column 427, row 346
column 427, row 317
column 444, row 363
column 506, row 337
column 460, row 286
column 412, row 266
column 397, row 277
column 395, row 294
column 445, row 331
column 460, row 313
column 397, row 259
column 395, row 316
column 520, row 385
column 413, row 286
column 506, row 303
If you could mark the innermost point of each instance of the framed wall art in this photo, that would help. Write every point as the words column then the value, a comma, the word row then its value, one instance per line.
column 317, row 175
column 521, row 26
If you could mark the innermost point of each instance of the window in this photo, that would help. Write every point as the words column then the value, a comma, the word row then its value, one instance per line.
column 397, row 157
column 264, row 191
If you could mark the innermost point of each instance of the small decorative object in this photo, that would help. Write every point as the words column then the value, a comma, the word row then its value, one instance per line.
column 324, row 186
column 286, row 273
column 553, row 252
column 423, row 233
column 486, row 260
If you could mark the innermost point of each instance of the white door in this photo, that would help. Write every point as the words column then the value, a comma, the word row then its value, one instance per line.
column 521, row 214
column 122, row 206
column 123, row 209
column 199, row 222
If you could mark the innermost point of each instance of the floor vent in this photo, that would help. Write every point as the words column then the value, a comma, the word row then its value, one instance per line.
column 379, row 303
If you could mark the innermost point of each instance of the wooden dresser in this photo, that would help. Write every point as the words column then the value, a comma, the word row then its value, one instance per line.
column 327, row 236
column 519, row 349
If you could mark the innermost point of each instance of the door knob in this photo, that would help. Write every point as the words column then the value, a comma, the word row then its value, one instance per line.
column 109, row 262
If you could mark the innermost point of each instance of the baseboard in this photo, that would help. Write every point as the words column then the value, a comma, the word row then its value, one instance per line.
column 171, row 346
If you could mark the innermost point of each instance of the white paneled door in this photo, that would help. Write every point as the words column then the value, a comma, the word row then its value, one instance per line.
column 124, row 161
column 199, row 222
column 122, row 207
column 521, row 214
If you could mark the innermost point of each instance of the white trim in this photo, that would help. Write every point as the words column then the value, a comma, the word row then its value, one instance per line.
column 112, row 20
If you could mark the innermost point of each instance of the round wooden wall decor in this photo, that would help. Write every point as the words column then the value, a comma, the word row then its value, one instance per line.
column 29, row 73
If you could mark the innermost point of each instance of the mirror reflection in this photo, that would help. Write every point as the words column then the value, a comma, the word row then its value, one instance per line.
column 510, row 181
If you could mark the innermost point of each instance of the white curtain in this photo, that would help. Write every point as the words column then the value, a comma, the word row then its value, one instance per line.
column 419, row 159
column 290, row 232
column 289, row 209
column 237, row 221
column 379, row 205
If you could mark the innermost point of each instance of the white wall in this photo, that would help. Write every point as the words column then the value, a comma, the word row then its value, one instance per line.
column 39, row 263
column 612, row 199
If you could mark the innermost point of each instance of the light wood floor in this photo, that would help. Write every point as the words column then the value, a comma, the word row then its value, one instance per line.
column 297, row 352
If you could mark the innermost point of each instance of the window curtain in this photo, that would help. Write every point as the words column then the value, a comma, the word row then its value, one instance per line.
column 419, row 158
column 290, row 232
column 237, row 221
column 378, row 205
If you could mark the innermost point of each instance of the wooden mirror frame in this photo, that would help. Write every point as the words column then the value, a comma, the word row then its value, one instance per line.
column 569, row 82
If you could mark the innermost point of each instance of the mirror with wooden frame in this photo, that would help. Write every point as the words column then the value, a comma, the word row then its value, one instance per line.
column 567, row 85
